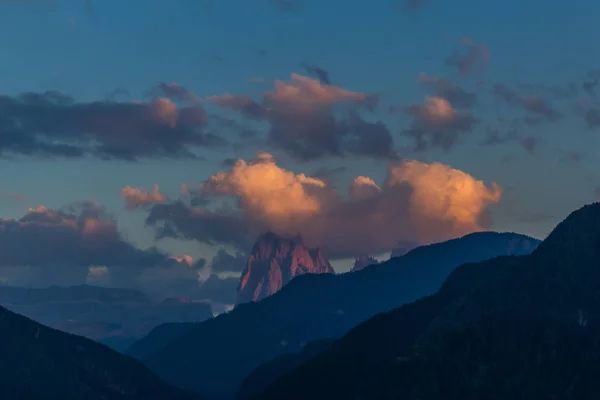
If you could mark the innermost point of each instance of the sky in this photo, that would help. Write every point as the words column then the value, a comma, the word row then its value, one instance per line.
column 363, row 126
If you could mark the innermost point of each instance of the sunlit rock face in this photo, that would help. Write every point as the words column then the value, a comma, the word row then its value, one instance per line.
column 273, row 262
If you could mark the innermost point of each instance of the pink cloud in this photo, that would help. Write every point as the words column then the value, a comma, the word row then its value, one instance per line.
column 417, row 202
column 136, row 197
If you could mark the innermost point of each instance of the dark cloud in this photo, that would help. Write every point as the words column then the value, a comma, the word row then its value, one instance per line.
column 326, row 173
column 474, row 58
column 531, row 104
column 288, row 5
column 240, row 103
column 558, row 92
column 590, row 87
column 570, row 156
column 228, row 162
column 321, row 74
column 310, row 120
column 60, row 246
column 530, row 143
column 175, row 91
column 370, row 139
column 230, row 127
column 225, row 262
column 592, row 117
column 220, row 226
column 495, row 137
column 436, row 124
column 219, row 290
column 451, row 92
column 51, row 124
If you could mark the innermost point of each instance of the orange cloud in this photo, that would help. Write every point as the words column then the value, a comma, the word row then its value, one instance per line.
column 165, row 110
column 185, row 259
column 136, row 198
column 417, row 202
column 268, row 192
column 304, row 91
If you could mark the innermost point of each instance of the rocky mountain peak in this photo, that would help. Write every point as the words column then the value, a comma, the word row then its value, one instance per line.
column 273, row 262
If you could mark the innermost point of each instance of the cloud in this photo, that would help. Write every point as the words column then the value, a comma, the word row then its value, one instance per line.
column 304, row 92
column 531, row 104
column 240, row 103
column 320, row 73
column 494, row 137
column 590, row 85
column 51, row 124
column 136, row 198
column 417, row 202
column 48, row 246
column 225, row 262
column 449, row 91
column 303, row 122
column 557, row 92
column 592, row 117
column 324, row 173
column 437, row 124
column 80, row 244
column 475, row 58
column 220, row 290
column 176, row 92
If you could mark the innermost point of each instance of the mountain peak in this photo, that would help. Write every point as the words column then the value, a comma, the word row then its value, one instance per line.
column 273, row 262
column 575, row 241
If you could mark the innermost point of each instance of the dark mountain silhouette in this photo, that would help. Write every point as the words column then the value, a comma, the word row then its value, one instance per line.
column 38, row 362
column 224, row 350
column 362, row 262
column 268, row 373
column 524, row 327
column 158, row 339
column 273, row 262
column 116, row 317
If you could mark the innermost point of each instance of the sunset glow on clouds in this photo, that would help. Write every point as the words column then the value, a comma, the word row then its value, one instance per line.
column 378, row 125
column 416, row 202
column 136, row 197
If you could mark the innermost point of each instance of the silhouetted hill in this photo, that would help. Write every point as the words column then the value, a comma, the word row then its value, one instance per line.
column 38, row 362
column 523, row 327
column 273, row 262
column 268, row 373
column 158, row 339
column 113, row 316
column 224, row 350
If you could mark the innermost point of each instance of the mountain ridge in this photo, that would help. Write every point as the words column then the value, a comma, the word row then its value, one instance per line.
column 512, row 327
column 312, row 307
column 40, row 362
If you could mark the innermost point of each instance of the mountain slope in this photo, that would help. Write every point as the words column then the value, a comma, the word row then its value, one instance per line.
column 112, row 316
column 266, row 374
column 224, row 350
column 273, row 262
column 513, row 327
column 38, row 362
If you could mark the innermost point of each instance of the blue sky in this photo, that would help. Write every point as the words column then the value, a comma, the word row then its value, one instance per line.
column 90, row 49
